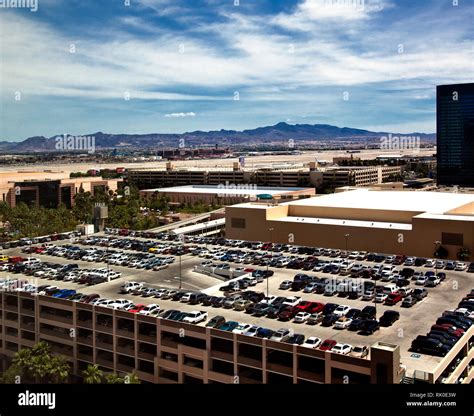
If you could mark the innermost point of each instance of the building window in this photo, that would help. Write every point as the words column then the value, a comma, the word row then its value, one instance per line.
column 451, row 239
column 237, row 222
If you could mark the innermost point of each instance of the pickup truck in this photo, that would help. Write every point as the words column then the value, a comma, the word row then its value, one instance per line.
column 195, row 317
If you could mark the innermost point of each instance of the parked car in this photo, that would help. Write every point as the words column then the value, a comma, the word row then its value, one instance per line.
column 216, row 322
column 312, row 342
column 343, row 349
column 327, row 345
column 359, row 351
column 369, row 327
column 389, row 318
column 282, row 335
column 409, row 301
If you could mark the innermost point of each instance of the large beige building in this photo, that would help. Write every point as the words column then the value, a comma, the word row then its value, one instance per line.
column 48, row 188
column 226, row 193
column 393, row 222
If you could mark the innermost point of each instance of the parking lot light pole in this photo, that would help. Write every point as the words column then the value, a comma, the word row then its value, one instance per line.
column 437, row 245
column 270, row 230
column 347, row 240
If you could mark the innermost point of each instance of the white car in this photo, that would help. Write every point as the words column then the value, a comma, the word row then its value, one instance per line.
column 389, row 259
column 430, row 263
column 267, row 300
column 301, row 317
column 342, row 310
column 153, row 307
column 460, row 266
column 252, row 331
column 121, row 303
column 353, row 255
column 343, row 349
column 440, row 264
column 186, row 297
column 292, row 301
column 342, row 323
column 380, row 297
column 410, row 261
column 195, row 317
column 241, row 328
column 312, row 342
column 106, row 303
column 421, row 280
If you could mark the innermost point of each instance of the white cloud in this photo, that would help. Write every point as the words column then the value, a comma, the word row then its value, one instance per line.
column 180, row 115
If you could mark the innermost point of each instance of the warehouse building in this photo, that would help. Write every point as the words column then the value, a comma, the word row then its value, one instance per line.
column 226, row 193
column 394, row 222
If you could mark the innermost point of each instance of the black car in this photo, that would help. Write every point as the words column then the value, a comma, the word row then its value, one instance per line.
column 207, row 301
column 178, row 295
column 217, row 302
column 353, row 313
column 430, row 346
column 169, row 313
column 369, row 327
column 260, row 309
column 296, row 339
column 356, row 324
column 329, row 308
column 216, row 322
column 196, row 298
column 389, row 318
column 471, row 268
column 369, row 312
column 444, row 337
column 407, row 272
column 273, row 312
column 329, row 320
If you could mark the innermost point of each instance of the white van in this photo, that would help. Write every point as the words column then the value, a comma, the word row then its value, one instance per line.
column 389, row 289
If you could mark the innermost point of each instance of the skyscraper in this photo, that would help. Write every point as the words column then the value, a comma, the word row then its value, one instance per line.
column 455, row 132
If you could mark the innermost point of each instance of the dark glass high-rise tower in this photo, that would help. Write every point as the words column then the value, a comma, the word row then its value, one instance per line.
column 455, row 134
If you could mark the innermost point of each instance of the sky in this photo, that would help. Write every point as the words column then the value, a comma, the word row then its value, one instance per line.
column 171, row 66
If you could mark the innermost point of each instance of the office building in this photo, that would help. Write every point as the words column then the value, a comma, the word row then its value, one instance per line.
column 455, row 134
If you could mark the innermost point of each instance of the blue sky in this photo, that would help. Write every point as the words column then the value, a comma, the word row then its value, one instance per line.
column 178, row 65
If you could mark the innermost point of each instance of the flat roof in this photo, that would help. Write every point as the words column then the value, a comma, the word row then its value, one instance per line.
column 430, row 202
column 346, row 223
column 230, row 189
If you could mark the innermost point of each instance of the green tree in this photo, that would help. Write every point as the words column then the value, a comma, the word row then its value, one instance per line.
column 92, row 375
column 463, row 254
column 38, row 365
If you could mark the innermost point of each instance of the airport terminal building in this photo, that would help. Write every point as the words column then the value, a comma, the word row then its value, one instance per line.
column 376, row 221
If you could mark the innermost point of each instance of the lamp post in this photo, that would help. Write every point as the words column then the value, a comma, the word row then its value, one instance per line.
column 437, row 245
column 347, row 240
column 270, row 230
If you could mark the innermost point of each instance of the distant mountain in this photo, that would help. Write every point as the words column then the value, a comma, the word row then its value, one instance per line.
column 280, row 132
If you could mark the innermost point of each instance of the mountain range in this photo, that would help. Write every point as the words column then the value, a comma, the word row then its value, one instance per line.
column 277, row 134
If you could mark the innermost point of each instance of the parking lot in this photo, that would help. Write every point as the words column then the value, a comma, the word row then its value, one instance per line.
column 413, row 321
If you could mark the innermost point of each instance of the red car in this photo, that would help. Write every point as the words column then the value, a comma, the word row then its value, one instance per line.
column 400, row 259
column 327, row 345
column 287, row 313
column 393, row 299
column 137, row 308
column 310, row 307
column 458, row 332
column 16, row 259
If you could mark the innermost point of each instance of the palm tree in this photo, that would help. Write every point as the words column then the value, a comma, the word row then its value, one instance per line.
column 92, row 375
column 114, row 378
column 463, row 254
column 132, row 379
